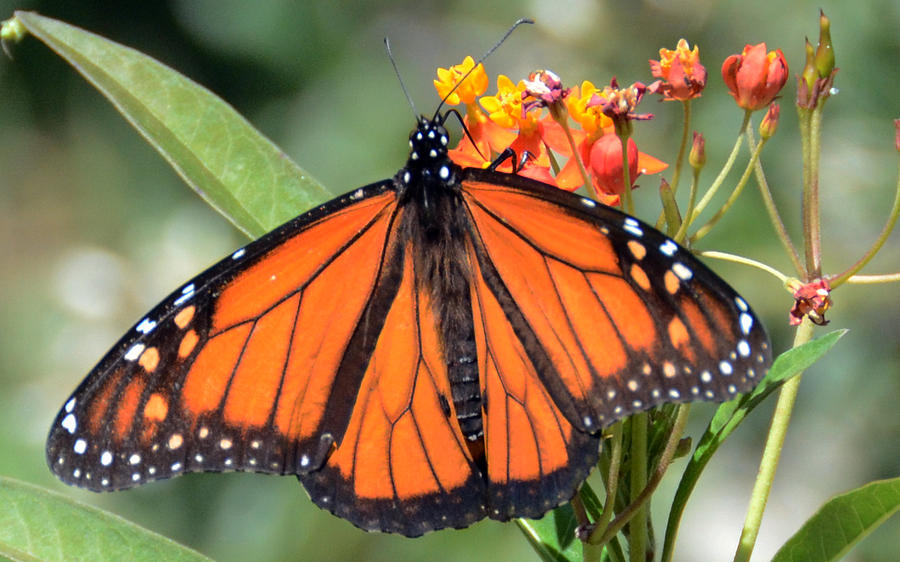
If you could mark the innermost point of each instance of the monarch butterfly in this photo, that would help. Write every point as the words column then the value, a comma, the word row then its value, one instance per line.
column 422, row 352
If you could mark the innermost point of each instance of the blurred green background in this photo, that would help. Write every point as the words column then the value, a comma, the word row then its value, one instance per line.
column 95, row 228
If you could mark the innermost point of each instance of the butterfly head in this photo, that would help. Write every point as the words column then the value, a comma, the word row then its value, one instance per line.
column 428, row 165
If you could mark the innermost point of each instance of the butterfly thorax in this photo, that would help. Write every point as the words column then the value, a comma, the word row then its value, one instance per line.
column 434, row 222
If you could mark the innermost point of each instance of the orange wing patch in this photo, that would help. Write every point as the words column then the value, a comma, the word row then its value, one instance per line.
column 526, row 435
column 293, row 263
column 542, row 224
column 257, row 378
column 399, row 443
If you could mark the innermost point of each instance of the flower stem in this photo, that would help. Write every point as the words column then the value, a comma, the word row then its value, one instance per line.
column 685, row 128
column 879, row 242
column 745, row 261
column 812, row 227
column 692, row 199
column 769, row 463
column 638, row 537
column 704, row 230
column 704, row 201
column 679, row 161
column 627, row 200
column 612, row 476
column 874, row 279
column 628, row 514
column 772, row 209
column 588, row 184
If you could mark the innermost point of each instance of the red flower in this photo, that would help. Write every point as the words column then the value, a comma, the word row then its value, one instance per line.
column 605, row 164
column 811, row 299
column 755, row 76
column 683, row 77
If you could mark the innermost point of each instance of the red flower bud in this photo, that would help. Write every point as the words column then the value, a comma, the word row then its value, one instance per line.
column 697, row 157
column 755, row 76
column 770, row 122
column 606, row 164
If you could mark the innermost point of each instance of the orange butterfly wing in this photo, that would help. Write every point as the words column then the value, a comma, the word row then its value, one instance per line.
column 231, row 371
column 585, row 315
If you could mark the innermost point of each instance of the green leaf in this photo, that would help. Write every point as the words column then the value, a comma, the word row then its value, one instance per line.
column 39, row 524
column 730, row 415
column 842, row 522
column 553, row 535
column 218, row 153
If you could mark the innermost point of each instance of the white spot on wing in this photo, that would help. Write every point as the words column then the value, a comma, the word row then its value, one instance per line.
column 80, row 446
column 633, row 227
column 682, row 271
column 146, row 326
column 134, row 352
column 743, row 348
column 741, row 304
column 69, row 423
column 70, row 405
column 106, row 458
column 238, row 254
column 186, row 295
column 668, row 248
column 746, row 323
column 588, row 203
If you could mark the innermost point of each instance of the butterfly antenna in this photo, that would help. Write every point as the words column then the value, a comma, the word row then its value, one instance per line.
column 490, row 51
column 387, row 46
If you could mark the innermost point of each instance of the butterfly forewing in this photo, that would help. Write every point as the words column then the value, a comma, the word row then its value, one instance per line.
column 218, row 376
column 626, row 318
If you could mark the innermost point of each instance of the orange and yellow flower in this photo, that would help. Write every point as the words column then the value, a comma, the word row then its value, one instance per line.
column 682, row 76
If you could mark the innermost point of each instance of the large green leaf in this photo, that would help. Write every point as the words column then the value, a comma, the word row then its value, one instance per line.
column 217, row 152
column 36, row 524
column 842, row 522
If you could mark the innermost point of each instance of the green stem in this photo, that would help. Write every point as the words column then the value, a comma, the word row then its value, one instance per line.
column 704, row 230
column 679, row 161
column 638, row 538
column 627, row 200
column 772, row 209
column 882, row 238
column 704, row 201
column 769, row 463
column 744, row 261
column 873, row 279
column 588, row 184
column 612, row 476
column 685, row 129
column 665, row 459
column 682, row 230
column 811, row 218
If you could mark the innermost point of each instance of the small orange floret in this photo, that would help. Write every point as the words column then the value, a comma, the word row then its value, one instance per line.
column 682, row 76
